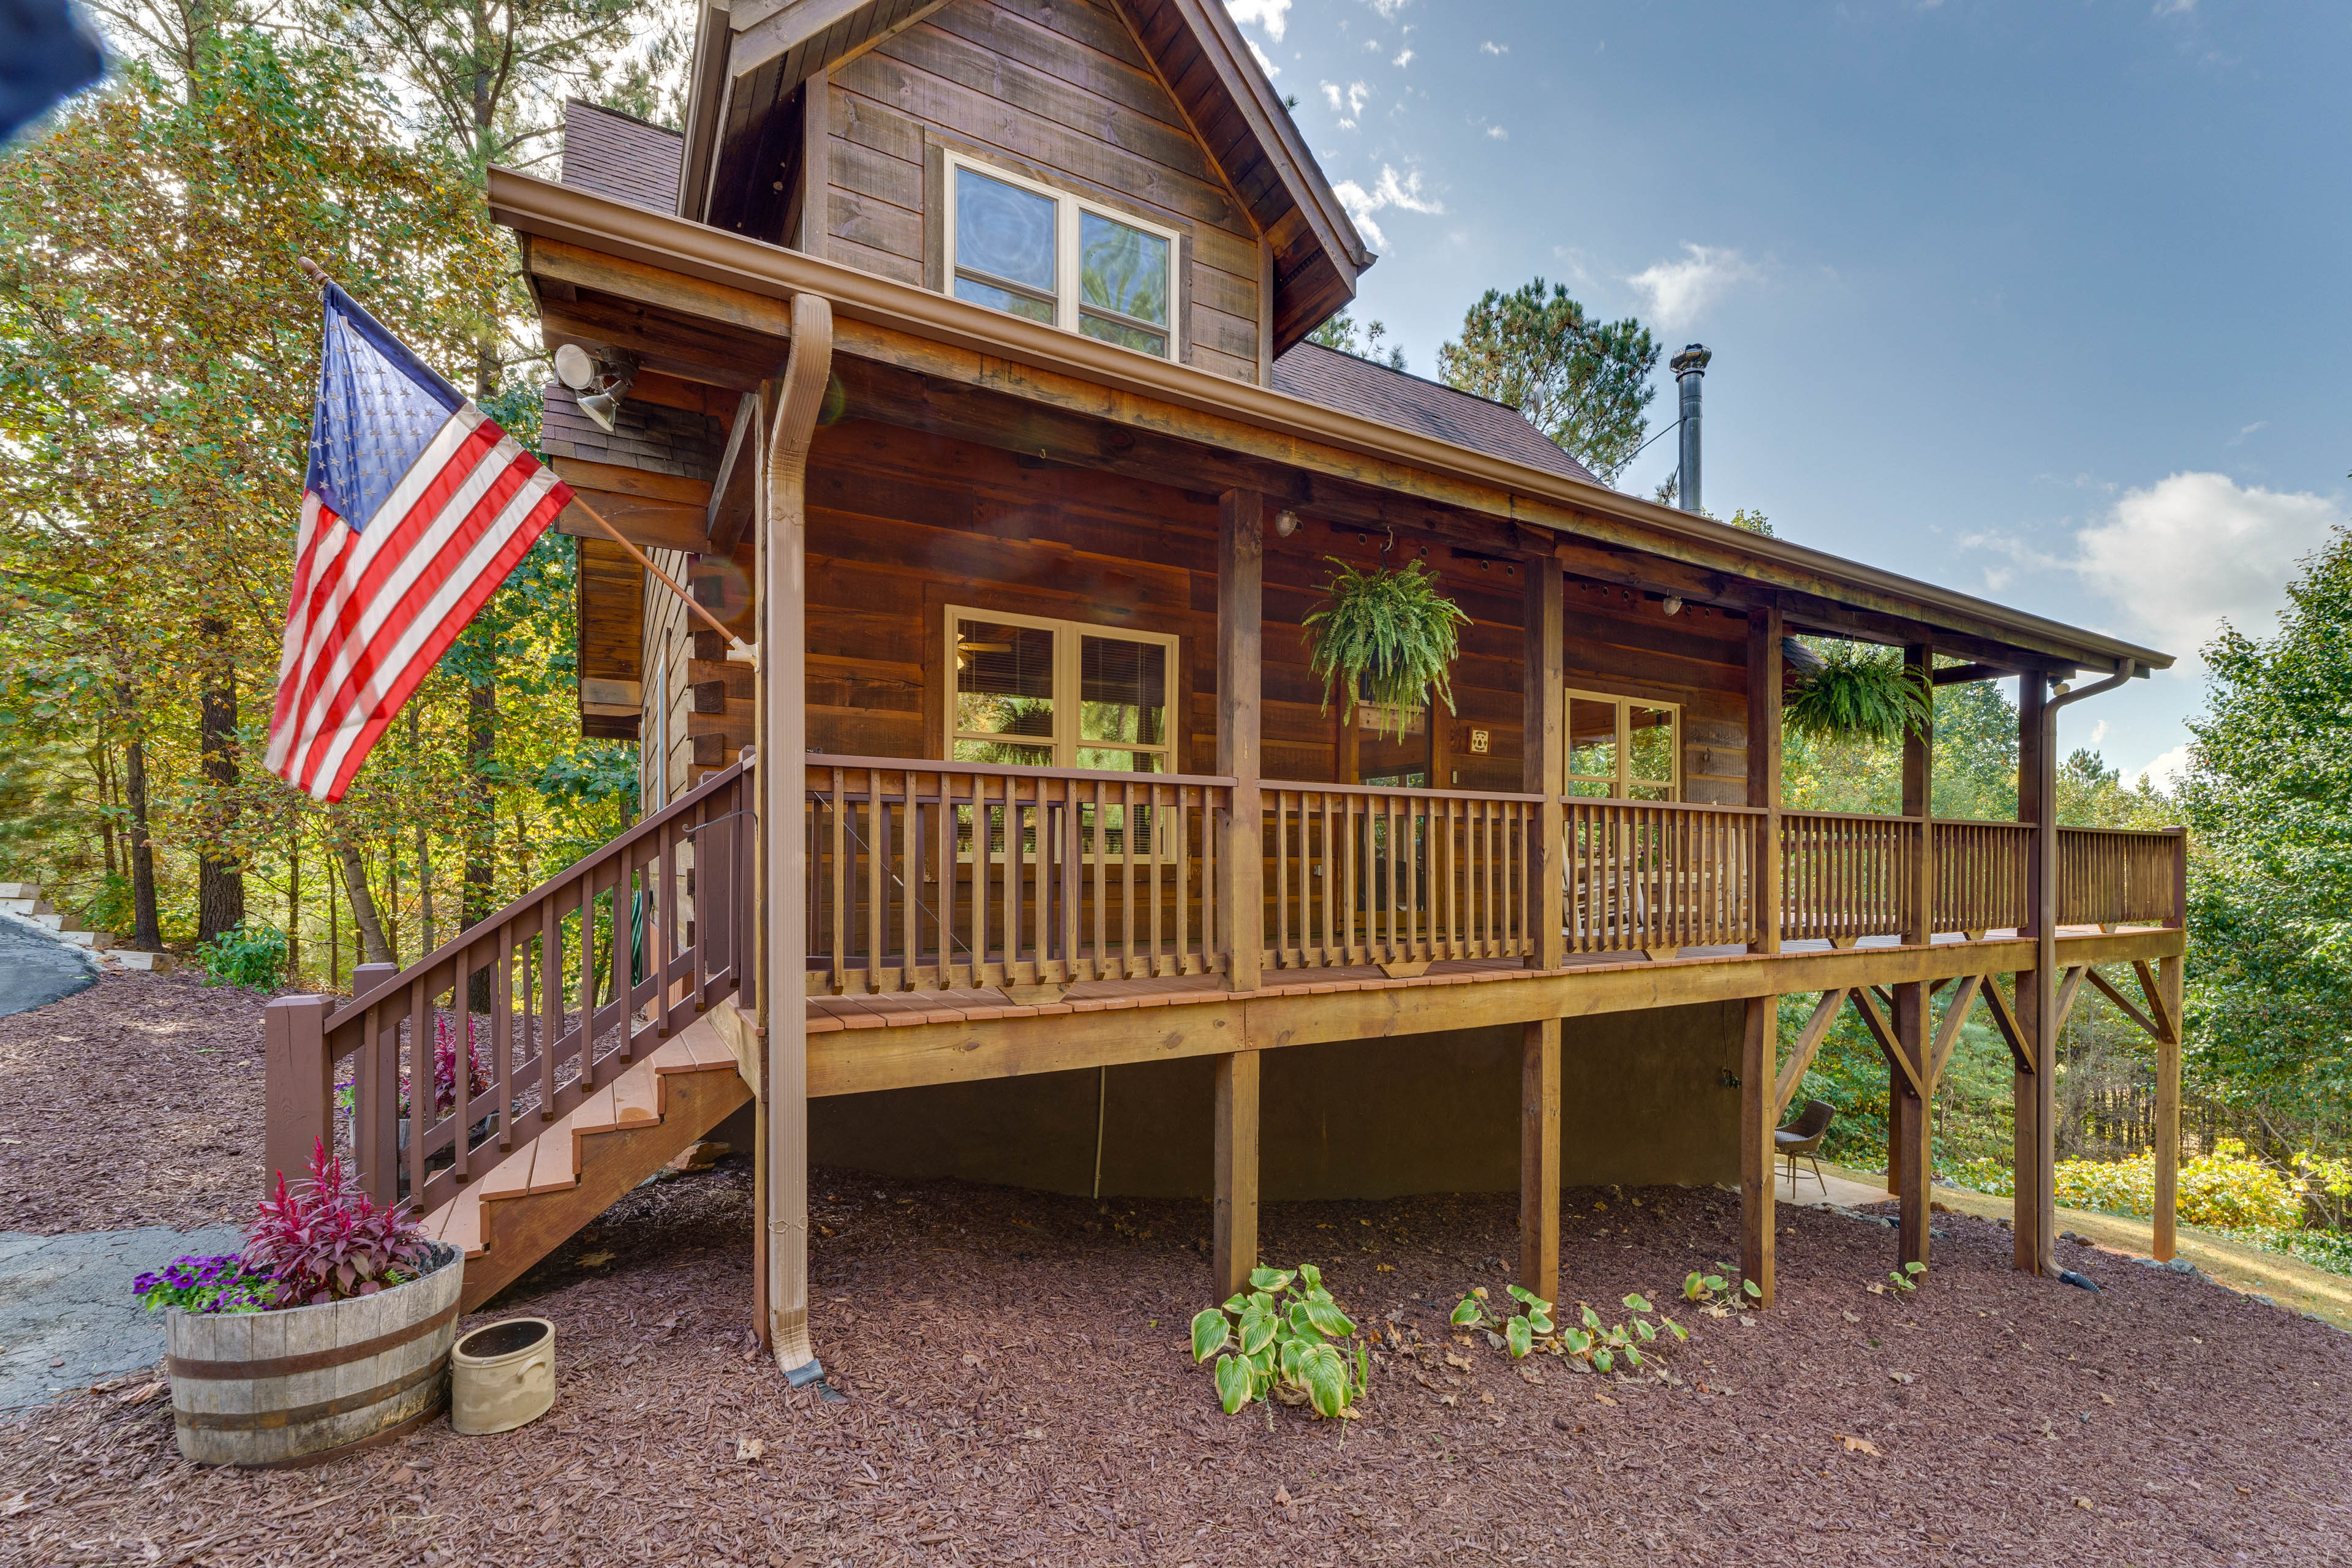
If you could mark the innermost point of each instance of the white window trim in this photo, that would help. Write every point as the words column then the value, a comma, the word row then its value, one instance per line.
column 1067, row 207
column 1621, row 783
column 1065, row 741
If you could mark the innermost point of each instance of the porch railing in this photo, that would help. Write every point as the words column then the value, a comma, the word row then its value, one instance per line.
column 1981, row 875
column 939, row 876
column 1844, row 876
column 2109, row 875
column 1645, row 877
column 1358, row 875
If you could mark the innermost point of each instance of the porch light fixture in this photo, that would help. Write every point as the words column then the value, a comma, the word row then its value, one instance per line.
column 1672, row 606
column 1286, row 522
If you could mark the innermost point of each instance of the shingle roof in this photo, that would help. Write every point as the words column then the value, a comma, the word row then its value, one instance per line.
column 616, row 155
column 646, row 436
column 1314, row 373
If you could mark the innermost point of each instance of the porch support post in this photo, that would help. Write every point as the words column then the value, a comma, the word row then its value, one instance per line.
column 782, row 1232
column 1919, row 801
column 1908, row 1137
column 2033, row 1208
column 1236, row 1225
column 1759, row 1114
column 1539, row 1157
column 1766, row 629
column 1909, row 1119
column 1543, row 768
column 2170, row 973
column 1241, row 904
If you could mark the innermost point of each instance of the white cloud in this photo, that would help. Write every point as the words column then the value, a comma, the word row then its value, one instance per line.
column 1491, row 47
column 1403, row 59
column 1679, row 292
column 1273, row 15
column 2174, row 7
column 2165, row 771
column 1347, row 104
column 2194, row 550
column 1388, row 9
column 1265, row 63
column 1498, row 133
column 1389, row 191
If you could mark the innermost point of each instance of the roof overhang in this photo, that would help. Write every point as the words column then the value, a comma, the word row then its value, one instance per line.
column 1080, row 374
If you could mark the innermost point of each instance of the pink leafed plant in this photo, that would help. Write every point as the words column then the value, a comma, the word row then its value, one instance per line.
column 325, row 1240
column 479, row 1080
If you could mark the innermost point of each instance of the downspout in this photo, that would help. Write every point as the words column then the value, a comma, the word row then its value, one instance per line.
column 783, row 854
column 2045, row 963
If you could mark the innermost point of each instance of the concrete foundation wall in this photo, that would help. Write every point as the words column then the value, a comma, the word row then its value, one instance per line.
column 1644, row 1100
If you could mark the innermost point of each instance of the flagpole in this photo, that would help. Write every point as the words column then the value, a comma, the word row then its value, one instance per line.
column 742, row 652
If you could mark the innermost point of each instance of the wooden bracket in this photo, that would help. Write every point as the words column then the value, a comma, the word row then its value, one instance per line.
column 1808, row 1046
column 2004, row 1019
column 2158, row 1007
column 1948, row 1033
column 2068, row 989
column 1884, row 1032
column 2107, row 989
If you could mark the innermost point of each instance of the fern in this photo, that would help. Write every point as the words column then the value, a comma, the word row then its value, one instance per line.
column 1858, row 694
column 1392, row 633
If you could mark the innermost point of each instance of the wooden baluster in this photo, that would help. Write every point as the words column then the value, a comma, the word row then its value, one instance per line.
column 423, row 1097
column 502, row 1031
column 587, row 994
column 550, row 1000
column 1157, row 829
column 461, row 967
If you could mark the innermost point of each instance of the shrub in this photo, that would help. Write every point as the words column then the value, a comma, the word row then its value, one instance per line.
column 253, row 956
column 1281, row 1334
column 219, row 1284
column 2225, row 1190
column 324, row 1240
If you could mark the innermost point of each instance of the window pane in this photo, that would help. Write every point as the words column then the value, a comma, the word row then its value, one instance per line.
column 1125, row 336
column 1004, row 300
column 1591, row 739
column 1122, row 268
column 1005, row 682
column 1005, row 230
column 1651, row 740
column 1122, row 692
column 1110, row 761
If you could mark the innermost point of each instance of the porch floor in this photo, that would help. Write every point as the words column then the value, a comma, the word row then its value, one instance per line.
column 901, row 1009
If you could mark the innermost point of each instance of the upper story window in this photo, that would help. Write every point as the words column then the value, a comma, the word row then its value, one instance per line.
column 1623, row 748
column 1037, row 693
column 1031, row 250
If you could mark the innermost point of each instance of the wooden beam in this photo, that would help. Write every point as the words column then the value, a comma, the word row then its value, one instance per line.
column 727, row 517
column 2166, row 997
column 1911, row 1101
column 647, row 523
column 1966, row 674
column 2020, row 1048
column 1919, row 801
column 1539, row 1171
column 1234, row 1228
column 2068, row 989
column 1543, row 756
column 2032, row 1089
column 816, row 164
column 1241, row 596
column 1890, row 1043
column 1808, row 1046
column 690, row 353
column 2159, row 1006
column 1758, row 1118
column 1765, row 680
column 2154, row 1030
column 1948, row 1032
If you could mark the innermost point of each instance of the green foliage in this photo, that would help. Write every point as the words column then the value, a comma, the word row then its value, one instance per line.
column 1593, row 1340
column 1520, row 1329
column 253, row 956
column 1340, row 332
column 1584, row 384
column 1908, row 1277
column 2225, row 1190
column 1859, row 693
column 1391, row 632
column 1286, row 1339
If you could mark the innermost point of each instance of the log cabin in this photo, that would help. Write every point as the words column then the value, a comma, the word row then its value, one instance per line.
column 956, row 359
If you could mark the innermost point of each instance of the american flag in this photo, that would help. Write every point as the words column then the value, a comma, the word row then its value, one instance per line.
column 416, row 508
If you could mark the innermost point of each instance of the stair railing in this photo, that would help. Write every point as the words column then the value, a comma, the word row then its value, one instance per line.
column 525, row 1015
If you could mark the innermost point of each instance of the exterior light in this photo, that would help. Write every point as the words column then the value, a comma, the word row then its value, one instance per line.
column 1286, row 522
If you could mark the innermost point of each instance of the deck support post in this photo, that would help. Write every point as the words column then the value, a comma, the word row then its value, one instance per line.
column 2033, row 1208
column 298, row 1081
column 1910, row 1107
column 1235, row 1228
column 781, row 1266
column 1543, row 768
column 1766, row 630
column 1759, row 1115
column 2170, row 973
column 1240, row 835
column 1539, row 1157
column 1919, row 890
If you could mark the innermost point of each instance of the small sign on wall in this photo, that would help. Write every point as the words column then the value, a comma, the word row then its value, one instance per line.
column 1478, row 741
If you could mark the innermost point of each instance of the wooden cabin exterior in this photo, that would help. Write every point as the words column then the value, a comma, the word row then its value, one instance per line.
column 968, row 382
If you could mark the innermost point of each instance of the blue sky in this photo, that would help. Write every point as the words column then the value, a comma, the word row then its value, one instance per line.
column 2040, row 301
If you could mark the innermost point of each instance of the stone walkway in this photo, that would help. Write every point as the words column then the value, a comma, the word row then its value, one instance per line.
column 67, row 1315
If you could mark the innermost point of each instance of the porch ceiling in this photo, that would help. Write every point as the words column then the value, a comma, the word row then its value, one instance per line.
column 1080, row 401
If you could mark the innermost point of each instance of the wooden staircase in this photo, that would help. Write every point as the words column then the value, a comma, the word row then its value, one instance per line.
column 585, row 1161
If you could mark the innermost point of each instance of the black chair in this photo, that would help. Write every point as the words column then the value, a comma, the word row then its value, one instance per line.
column 1803, row 1137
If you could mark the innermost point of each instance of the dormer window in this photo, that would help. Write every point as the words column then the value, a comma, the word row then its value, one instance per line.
column 1030, row 250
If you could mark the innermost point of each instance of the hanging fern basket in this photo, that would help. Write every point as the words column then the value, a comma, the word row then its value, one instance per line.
column 1389, row 634
column 1858, row 694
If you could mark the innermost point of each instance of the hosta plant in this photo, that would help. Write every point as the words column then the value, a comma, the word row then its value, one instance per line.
column 1713, row 1294
column 325, row 1240
column 1592, row 1339
column 1519, row 1331
column 1286, row 1339
column 1392, row 634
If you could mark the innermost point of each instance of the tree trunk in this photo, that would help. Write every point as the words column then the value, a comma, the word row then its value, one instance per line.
column 368, row 923
column 481, row 861
column 147, row 934
column 220, row 886
column 423, row 850
column 294, row 907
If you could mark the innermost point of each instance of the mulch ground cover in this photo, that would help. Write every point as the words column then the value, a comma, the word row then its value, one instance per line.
column 135, row 1102
column 1020, row 1391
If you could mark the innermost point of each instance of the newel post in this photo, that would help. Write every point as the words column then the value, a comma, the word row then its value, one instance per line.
column 297, row 1084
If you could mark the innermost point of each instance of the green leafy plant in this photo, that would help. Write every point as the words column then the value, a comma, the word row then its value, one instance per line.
column 1390, row 633
column 252, row 955
column 1716, row 1296
column 1908, row 1277
column 1858, row 693
column 1285, row 1338
column 1519, row 1331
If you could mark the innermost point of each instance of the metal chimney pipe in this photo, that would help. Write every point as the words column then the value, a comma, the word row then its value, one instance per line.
column 1690, row 369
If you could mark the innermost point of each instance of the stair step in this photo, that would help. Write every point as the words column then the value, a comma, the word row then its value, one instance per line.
column 50, row 918
column 458, row 1223
column 98, row 941
column 19, row 905
column 19, row 890
column 131, row 958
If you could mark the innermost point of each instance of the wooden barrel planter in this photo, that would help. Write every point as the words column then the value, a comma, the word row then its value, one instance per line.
column 286, row 1387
